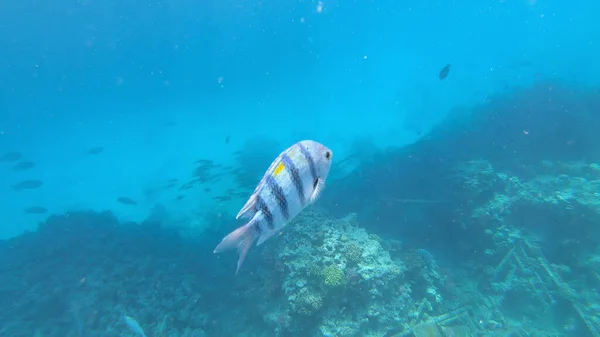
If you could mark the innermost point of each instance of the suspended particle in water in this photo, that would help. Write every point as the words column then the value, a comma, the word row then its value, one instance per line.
column 320, row 7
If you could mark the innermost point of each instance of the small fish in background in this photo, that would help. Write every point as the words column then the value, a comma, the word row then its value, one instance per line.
column 170, row 185
column 227, row 139
column 28, row 185
column 444, row 72
column 134, row 326
column 180, row 197
column 222, row 198
column 294, row 181
column 126, row 201
column 206, row 189
column 95, row 150
column 23, row 166
column 187, row 186
column 11, row 156
column 35, row 210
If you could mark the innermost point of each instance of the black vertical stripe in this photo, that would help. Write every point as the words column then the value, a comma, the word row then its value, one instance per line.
column 295, row 174
column 256, row 227
column 262, row 206
column 277, row 191
column 310, row 160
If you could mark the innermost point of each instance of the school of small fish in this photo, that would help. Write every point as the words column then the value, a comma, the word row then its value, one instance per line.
column 294, row 181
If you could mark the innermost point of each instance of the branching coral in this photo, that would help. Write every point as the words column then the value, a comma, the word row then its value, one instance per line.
column 333, row 277
column 307, row 302
column 353, row 253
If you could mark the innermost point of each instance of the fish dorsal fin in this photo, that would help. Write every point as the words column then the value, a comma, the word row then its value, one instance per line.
column 248, row 210
column 319, row 186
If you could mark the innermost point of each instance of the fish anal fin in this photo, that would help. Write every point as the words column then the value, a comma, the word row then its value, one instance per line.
column 265, row 235
column 248, row 209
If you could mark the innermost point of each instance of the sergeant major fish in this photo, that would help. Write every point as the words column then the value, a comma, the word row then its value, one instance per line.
column 294, row 180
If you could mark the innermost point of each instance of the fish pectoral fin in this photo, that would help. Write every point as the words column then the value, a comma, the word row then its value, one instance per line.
column 319, row 186
column 248, row 209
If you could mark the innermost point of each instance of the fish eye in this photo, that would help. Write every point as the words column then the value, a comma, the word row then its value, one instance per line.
column 327, row 155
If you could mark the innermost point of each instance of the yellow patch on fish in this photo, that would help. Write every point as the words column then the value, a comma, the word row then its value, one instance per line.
column 278, row 169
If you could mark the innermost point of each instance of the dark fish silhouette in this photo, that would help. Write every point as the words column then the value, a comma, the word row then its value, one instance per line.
column 227, row 139
column 24, row 165
column 126, row 201
column 187, row 186
column 444, row 72
column 222, row 198
column 35, row 210
column 95, row 150
column 170, row 185
column 28, row 185
column 11, row 156
column 179, row 197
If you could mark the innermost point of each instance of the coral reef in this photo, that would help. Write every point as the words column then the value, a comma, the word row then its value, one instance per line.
column 555, row 206
column 338, row 269
column 80, row 273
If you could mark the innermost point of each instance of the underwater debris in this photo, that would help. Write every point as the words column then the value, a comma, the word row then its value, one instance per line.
column 28, row 185
column 528, row 259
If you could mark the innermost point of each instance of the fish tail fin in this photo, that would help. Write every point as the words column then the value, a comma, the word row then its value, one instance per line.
column 240, row 239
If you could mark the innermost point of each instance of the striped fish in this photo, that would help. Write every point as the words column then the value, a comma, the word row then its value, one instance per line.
column 294, row 180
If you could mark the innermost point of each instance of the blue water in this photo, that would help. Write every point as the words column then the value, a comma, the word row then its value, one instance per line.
column 154, row 87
